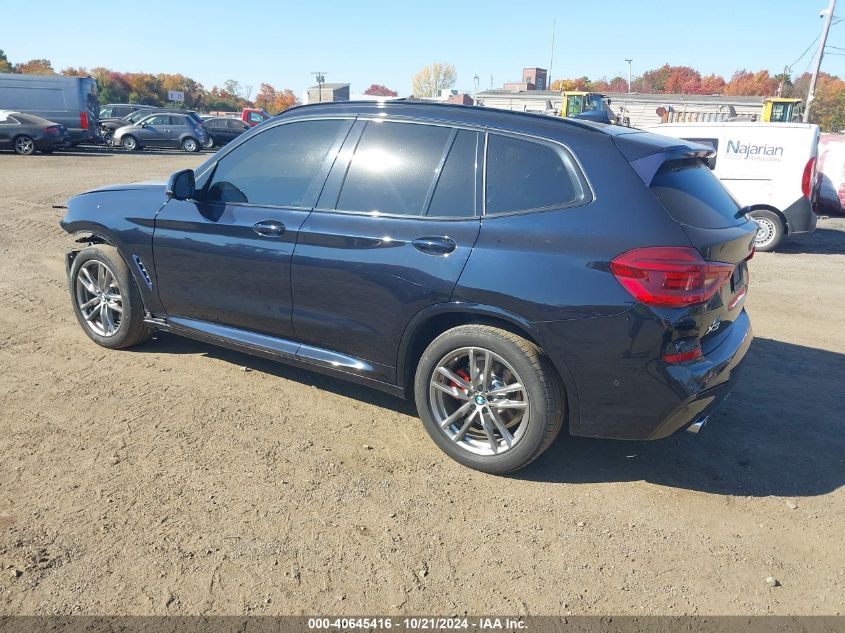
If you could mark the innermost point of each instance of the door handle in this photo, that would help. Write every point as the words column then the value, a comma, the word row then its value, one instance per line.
column 435, row 245
column 269, row 228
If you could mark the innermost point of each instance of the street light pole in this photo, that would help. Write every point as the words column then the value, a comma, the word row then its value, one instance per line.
column 629, row 60
column 320, row 76
column 811, row 93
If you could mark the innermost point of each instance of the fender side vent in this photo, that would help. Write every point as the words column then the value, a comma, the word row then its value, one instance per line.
column 143, row 271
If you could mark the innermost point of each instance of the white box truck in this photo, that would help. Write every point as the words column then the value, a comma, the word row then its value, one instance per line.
column 769, row 168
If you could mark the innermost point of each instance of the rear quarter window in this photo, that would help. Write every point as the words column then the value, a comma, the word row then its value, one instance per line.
column 524, row 175
column 692, row 195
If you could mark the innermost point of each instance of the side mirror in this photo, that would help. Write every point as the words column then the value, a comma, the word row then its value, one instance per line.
column 181, row 185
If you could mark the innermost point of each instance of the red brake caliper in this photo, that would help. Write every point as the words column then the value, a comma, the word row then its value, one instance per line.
column 463, row 374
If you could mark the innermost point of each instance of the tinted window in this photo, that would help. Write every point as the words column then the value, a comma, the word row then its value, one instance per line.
column 393, row 168
column 107, row 112
column 161, row 119
column 525, row 175
column 276, row 167
column 234, row 124
column 178, row 120
column 255, row 117
column 454, row 194
column 693, row 195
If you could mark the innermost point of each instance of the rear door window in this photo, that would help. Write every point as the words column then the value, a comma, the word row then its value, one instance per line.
column 524, row 175
column 692, row 195
column 394, row 167
column 455, row 189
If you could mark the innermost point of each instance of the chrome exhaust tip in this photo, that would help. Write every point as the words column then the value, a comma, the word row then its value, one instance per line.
column 695, row 427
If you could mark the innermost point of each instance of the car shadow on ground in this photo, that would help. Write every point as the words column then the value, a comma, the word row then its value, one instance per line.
column 822, row 241
column 165, row 343
column 782, row 432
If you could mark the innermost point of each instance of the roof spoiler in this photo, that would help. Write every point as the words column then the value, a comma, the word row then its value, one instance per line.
column 647, row 152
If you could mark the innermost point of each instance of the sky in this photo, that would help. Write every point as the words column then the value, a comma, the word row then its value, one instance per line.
column 387, row 42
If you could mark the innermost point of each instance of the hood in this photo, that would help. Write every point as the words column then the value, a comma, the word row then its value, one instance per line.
column 147, row 185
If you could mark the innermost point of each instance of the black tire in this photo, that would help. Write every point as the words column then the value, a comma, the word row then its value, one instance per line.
column 24, row 145
column 544, row 394
column 770, row 232
column 129, row 143
column 107, row 137
column 209, row 143
column 191, row 144
column 131, row 329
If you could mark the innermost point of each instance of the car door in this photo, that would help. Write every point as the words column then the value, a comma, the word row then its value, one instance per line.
column 8, row 127
column 151, row 131
column 390, row 236
column 223, row 259
column 216, row 130
column 234, row 128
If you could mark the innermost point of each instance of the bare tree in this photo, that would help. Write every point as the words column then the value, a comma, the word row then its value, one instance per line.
column 433, row 78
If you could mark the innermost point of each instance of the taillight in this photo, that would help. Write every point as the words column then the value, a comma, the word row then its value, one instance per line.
column 669, row 276
column 52, row 131
column 682, row 357
column 807, row 179
column 83, row 120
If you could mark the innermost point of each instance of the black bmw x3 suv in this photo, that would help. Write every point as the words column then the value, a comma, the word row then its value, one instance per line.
column 513, row 273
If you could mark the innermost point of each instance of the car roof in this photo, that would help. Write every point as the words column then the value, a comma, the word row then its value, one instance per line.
column 25, row 117
column 452, row 113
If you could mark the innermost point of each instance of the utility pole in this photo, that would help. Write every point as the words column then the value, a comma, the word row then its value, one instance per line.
column 811, row 93
column 629, row 60
column 320, row 76
column 552, row 59
column 475, row 81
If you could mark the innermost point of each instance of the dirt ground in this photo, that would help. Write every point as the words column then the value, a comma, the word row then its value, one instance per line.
column 168, row 480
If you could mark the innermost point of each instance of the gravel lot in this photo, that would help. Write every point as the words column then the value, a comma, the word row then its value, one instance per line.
column 167, row 480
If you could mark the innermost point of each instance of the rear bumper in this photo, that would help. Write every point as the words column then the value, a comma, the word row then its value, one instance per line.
column 800, row 217
column 624, row 390
column 708, row 381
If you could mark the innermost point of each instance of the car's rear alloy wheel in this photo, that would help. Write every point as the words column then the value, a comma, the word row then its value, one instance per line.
column 24, row 145
column 190, row 145
column 106, row 301
column 489, row 398
column 209, row 143
column 479, row 401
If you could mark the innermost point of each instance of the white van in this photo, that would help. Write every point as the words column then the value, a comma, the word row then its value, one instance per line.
column 769, row 168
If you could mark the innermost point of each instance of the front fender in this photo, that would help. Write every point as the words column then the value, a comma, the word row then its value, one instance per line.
column 123, row 216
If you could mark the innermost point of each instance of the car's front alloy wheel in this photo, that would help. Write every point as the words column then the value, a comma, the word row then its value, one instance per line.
column 488, row 398
column 98, row 297
column 129, row 143
column 105, row 298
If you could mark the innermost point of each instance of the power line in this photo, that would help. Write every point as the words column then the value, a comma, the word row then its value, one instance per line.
column 806, row 50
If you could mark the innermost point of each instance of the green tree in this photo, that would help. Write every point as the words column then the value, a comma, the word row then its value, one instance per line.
column 5, row 66
column 433, row 78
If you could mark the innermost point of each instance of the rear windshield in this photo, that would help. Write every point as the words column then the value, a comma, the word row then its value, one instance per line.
column 693, row 195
